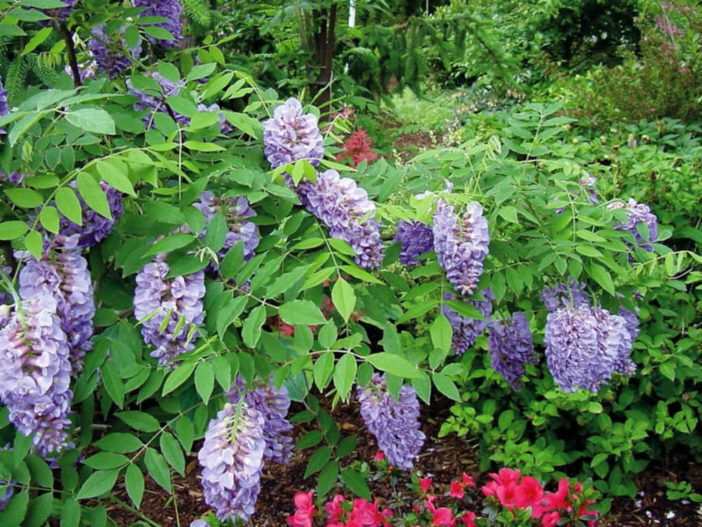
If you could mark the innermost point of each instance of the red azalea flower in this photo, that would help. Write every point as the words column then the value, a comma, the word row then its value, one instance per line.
column 529, row 493
column 334, row 509
column 505, row 493
column 379, row 457
column 558, row 500
column 425, row 484
column 468, row 519
column 467, row 480
column 456, row 490
column 506, row 476
column 490, row 489
column 440, row 517
column 550, row 519
column 304, row 515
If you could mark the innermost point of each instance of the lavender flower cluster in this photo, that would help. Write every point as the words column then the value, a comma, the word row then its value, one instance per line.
column 235, row 211
column 570, row 294
column 4, row 106
column 108, row 51
column 415, row 239
column 291, row 135
column 394, row 423
column 467, row 330
column 169, row 309
column 511, row 347
column 171, row 10
column 348, row 213
column 461, row 245
column 157, row 102
column 95, row 227
column 252, row 426
column 231, row 458
column 638, row 213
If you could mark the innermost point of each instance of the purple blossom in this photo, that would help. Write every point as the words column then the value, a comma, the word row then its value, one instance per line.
column 16, row 178
column 35, row 373
column 231, row 458
column 4, row 106
column 461, row 245
column 224, row 126
column 570, row 294
column 95, row 227
column 415, row 239
column 62, row 274
column 632, row 322
column 235, row 211
column 394, row 423
column 87, row 70
column 171, row 10
column 62, row 13
column 638, row 213
column 156, row 101
column 273, row 404
column 511, row 347
column 109, row 51
column 7, row 489
column 348, row 213
column 291, row 135
column 585, row 346
column 169, row 309
column 466, row 330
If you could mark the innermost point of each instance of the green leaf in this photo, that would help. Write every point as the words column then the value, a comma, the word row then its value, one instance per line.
column 394, row 364
column 602, row 277
column 11, row 30
column 245, row 123
column 11, row 230
column 327, row 335
column 199, row 146
column 216, row 232
column 446, row 386
column 301, row 313
column 106, row 460
column 203, row 120
column 34, row 244
column 172, row 452
column 115, row 174
column 185, row 431
column 99, row 483
column 177, row 377
column 310, row 439
column 323, row 369
column 200, row 71
column 317, row 461
column 441, row 333
column 139, row 420
column 92, row 120
column 25, row 197
column 158, row 468
column 16, row 510
column 69, row 205
column 356, row 483
column 345, row 374
column 91, row 191
column 286, row 281
column 204, row 381
column 119, row 442
column 39, row 510
column 134, row 481
column 251, row 329
column 344, row 298
column 49, row 218
column 170, row 243
column 327, row 478
column 70, row 513
column 509, row 213
column 39, row 37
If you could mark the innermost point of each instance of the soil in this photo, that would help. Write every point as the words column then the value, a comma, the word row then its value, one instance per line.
column 443, row 458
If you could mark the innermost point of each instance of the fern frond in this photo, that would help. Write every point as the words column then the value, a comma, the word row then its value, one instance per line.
column 16, row 79
column 198, row 11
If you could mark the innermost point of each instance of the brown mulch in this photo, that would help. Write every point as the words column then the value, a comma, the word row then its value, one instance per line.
column 409, row 144
column 443, row 458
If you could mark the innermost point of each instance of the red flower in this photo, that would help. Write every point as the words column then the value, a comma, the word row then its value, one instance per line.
column 304, row 515
column 358, row 148
column 505, row 493
column 468, row 519
column 529, row 493
column 456, row 490
column 333, row 508
column 550, row 519
column 506, row 476
column 558, row 500
column 467, row 480
column 440, row 517
column 379, row 457
column 425, row 484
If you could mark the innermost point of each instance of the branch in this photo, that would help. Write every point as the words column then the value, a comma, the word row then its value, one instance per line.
column 72, row 61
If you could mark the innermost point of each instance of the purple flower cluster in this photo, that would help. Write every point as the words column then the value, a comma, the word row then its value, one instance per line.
column 224, row 126
column 157, row 102
column 348, row 213
column 4, row 106
column 169, row 309
column 61, row 13
column 95, row 227
column 461, row 245
column 291, row 135
column 570, row 294
column 108, row 51
column 171, row 10
column 16, row 178
column 394, row 423
column 585, row 346
column 62, row 274
column 638, row 213
column 273, row 404
column 87, row 70
column 231, row 458
column 466, row 330
column 511, row 347
column 415, row 239
column 235, row 211
column 35, row 373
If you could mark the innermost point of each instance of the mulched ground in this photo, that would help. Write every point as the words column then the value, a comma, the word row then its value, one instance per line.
column 443, row 459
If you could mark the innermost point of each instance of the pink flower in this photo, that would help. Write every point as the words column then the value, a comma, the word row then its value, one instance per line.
column 425, row 484
column 333, row 508
column 505, row 493
column 558, row 500
column 304, row 515
column 529, row 493
column 379, row 457
column 550, row 519
column 468, row 519
column 440, row 517
column 456, row 490
column 467, row 480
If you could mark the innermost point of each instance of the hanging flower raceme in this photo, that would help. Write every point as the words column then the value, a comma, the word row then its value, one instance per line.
column 235, row 211
column 461, row 244
column 511, row 347
column 35, row 373
column 109, row 52
column 585, row 346
column 465, row 329
column 168, row 309
column 394, row 423
column 348, row 213
column 94, row 226
column 62, row 273
column 4, row 106
column 231, row 458
column 171, row 10
column 415, row 239
column 290, row 136
column 156, row 102
column 641, row 223
column 273, row 404
column 570, row 294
